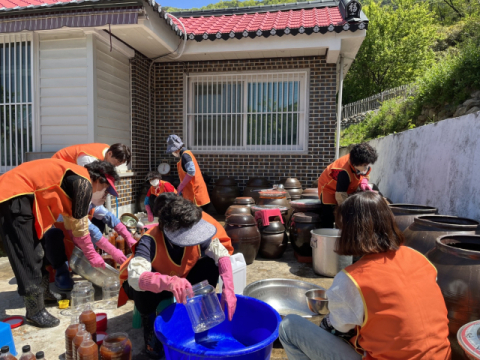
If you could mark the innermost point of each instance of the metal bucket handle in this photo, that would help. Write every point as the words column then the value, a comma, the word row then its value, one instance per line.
column 313, row 242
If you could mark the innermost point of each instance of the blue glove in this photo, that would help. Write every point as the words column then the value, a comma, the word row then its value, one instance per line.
column 101, row 213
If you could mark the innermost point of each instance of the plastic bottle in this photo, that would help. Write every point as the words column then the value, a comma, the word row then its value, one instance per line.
column 70, row 333
column 27, row 354
column 77, row 340
column 121, row 244
column 40, row 355
column 6, row 355
column 89, row 318
column 111, row 238
column 88, row 350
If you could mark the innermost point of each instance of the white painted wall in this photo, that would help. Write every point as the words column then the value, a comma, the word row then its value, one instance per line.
column 62, row 82
column 436, row 165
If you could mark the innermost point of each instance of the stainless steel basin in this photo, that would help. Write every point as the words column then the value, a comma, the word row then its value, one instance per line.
column 80, row 264
column 284, row 295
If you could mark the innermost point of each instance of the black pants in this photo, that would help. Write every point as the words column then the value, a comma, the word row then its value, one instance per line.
column 328, row 216
column 54, row 247
column 24, row 250
column 99, row 224
column 146, row 302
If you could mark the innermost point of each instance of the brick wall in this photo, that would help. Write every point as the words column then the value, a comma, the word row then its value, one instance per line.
column 169, row 97
column 125, row 193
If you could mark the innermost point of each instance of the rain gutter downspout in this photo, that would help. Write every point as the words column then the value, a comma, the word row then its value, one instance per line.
column 339, row 109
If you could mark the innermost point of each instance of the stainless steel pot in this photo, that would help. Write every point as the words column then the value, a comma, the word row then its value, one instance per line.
column 326, row 261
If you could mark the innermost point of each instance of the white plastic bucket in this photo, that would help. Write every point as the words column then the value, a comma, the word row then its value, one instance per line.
column 239, row 270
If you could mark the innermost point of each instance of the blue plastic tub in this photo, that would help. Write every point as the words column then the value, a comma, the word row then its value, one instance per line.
column 249, row 336
column 6, row 337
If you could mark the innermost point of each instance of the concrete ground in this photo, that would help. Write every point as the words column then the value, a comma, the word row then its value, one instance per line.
column 52, row 342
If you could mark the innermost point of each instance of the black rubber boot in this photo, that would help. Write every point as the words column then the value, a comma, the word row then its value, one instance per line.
column 49, row 295
column 153, row 346
column 36, row 313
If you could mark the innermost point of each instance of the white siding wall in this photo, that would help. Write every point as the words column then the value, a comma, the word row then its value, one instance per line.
column 63, row 101
column 112, row 123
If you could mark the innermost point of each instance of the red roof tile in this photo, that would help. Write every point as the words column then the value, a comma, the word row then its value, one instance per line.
column 280, row 20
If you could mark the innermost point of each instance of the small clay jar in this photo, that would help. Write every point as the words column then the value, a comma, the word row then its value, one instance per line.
column 254, row 185
column 294, row 188
column 310, row 193
column 243, row 231
column 300, row 227
column 245, row 201
column 238, row 209
column 274, row 240
column 224, row 194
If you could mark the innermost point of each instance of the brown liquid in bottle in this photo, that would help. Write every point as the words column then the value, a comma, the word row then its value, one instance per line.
column 6, row 355
column 77, row 340
column 121, row 244
column 70, row 333
column 116, row 347
column 89, row 318
column 27, row 354
column 88, row 350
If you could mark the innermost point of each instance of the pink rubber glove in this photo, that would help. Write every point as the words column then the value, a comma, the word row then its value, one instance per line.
column 149, row 212
column 117, row 255
column 127, row 235
column 364, row 185
column 185, row 181
column 85, row 244
column 156, row 283
column 228, row 292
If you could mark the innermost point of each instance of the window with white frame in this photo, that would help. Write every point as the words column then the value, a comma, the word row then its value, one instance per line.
column 16, row 99
column 256, row 112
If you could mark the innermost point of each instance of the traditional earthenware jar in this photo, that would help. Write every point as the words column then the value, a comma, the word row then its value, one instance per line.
column 254, row 185
column 245, row 236
column 276, row 197
column 405, row 213
column 244, row 201
column 300, row 227
column 294, row 187
column 224, row 194
column 310, row 193
column 274, row 240
column 422, row 234
column 238, row 209
column 457, row 259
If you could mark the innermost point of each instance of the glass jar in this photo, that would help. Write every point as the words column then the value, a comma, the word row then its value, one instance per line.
column 110, row 291
column 82, row 293
column 203, row 307
column 116, row 346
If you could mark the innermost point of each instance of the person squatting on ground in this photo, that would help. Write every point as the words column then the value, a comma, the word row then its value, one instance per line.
column 157, row 187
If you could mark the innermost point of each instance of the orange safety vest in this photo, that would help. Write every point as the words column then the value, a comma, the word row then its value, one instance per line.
column 162, row 262
column 160, row 189
column 327, row 182
column 196, row 190
column 405, row 313
column 42, row 179
column 72, row 153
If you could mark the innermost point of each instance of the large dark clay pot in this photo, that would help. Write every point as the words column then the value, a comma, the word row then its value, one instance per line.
column 245, row 201
column 457, row 259
column 274, row 240
column 224, row 194
column 255, row 184
column 294, row 187
column 243, row 231
column 405, row 213
column 310, row 193
column 300, row 227
column 424, row 231
column 238, row 209
column 280, row 200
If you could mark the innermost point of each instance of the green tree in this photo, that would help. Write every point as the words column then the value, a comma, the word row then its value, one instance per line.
column 396, row 50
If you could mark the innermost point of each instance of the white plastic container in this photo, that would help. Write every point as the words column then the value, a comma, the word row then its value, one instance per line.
column 239, row 270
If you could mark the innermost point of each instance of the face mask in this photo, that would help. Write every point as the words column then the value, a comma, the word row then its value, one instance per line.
column 98, row 197
column 155, row 182
column 359, row 172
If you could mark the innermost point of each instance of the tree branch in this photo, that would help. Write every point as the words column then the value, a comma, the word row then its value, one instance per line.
column 450, row 3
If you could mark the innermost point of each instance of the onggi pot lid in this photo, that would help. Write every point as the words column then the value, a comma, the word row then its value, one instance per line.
column 469, row 339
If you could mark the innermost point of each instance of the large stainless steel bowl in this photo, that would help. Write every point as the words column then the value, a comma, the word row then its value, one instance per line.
column 80, row 264
column 284, row 295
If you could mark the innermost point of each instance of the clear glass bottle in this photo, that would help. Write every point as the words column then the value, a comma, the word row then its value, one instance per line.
column 203, row 307
column 6, row 355
column 82, row 293
column 77, row 340
column 88, row 350
column 89, row 318
column 70, row 333
column 110, row 291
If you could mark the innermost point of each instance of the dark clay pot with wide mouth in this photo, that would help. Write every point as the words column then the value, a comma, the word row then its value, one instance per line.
column 224, row 194
column 457, row 259
column 310, row 193
column 274, row 240
column 276, row 197
column 238, row 209
column 245, row 236
column 405, row 213
column 300, row 232
column 422, row 234
column 254, row 185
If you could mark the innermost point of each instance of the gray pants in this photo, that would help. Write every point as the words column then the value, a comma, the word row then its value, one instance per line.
column 303, row 340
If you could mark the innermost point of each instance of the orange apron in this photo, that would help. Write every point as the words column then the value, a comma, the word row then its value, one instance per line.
column 196, row 190
column 405, row 314
column 327, row 182
column 72, row 153
column 42, row 179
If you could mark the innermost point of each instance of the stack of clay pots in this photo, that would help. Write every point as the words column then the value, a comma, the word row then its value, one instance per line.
column 244, row 201
column 293, row 186
column 254, row 185
column 238, row 209
column 310, row 193
column 224, row 194
column 276, row 197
